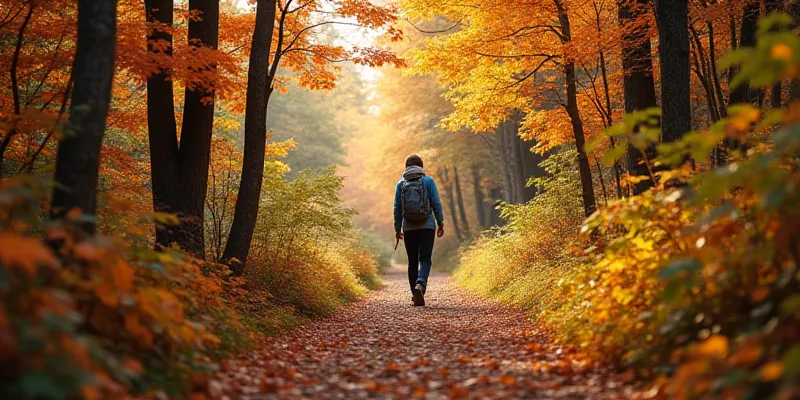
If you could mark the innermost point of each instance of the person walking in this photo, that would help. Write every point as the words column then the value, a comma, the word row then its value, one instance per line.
column 417, row 212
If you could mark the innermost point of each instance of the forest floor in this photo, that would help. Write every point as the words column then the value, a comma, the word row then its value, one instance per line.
column 458, row 346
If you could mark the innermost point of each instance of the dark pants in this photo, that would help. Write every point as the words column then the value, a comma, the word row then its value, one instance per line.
column 419, row 246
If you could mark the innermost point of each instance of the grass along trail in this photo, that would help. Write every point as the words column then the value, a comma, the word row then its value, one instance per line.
column 459, row 346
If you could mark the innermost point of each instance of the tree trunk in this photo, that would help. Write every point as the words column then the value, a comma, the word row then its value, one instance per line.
column 506, row 162
column 494, row 214
column 511, row 128
column 78, row 157
column 448, row 189
column 259, row 89
column 747, row 38
column 672, row 17
column 530, row 168
column 478, row 198
column 794, row 88
column 777, row 88
column 638, row 82
column 587, row 186
column 460, row 199
column 180, row 168
column 196, row 131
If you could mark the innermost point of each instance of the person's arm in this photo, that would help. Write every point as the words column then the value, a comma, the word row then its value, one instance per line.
column 436, row 204
column 398, row 209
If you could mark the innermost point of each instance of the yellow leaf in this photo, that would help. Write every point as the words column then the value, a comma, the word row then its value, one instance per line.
column 716, row 347
column 781, row 51
column 772, row 371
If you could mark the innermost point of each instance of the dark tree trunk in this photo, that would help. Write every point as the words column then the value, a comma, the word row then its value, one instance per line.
column 78, row 157
column 672, row 17
column 571, row 106
column 513, row 156
column 494, row 214
column 777, row 89
column 794, row 88
column 460, row 199
column 508, row 161
column 478, row 197
column 638, row 81
column 161, row 126
column 259, row 89
column 196, row 131
column 530, row 168
column 180, row 169
column 448, row 189
column 747, row 38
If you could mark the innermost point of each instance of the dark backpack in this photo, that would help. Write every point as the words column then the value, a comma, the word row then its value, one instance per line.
column 416, row 205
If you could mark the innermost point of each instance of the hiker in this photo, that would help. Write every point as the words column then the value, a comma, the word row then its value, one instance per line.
column 417, row 211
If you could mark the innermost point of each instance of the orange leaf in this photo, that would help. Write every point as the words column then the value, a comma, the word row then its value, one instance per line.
column 24, row 252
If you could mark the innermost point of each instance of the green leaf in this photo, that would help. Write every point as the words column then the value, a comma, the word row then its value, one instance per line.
column 613, row 154
column 680, row 266
column 38, row 385
column 791, row 362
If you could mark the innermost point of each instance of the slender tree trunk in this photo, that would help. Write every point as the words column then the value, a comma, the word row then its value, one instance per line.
column 494, row 215
column 161, row 125
column 478, row 198
column 777, row 89
column 180, row 168
column 460, row 198
column 448, row 188
column 515, row 165
column 507, row 163
column 259, row 89
column 196, row 131
column 672, row 17
column 571, row 106
column 747, row 38
column 530, row 168
column 78, row 157
column 794, row 87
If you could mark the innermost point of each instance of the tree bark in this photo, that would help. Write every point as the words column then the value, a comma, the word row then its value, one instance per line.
column 672, row 18
column 259, row 89
column 777, row 88
column 794, row 87
column 747, row 38
column 571, row 106
column 448, row 188
column 530, row 168
column 460, row 199
column 78, row 157
column 478, row 197
column 638, row 82
column 180, row 168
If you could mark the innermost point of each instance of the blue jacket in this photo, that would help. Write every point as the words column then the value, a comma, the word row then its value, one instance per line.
column 436, row 206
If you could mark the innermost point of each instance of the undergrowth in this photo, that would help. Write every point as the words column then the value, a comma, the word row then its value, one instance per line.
column 693, row 284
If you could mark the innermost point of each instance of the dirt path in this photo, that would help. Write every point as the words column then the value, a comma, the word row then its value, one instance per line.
column 459, row 346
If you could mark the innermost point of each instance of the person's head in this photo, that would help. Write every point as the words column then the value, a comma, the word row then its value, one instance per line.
column 413, row 160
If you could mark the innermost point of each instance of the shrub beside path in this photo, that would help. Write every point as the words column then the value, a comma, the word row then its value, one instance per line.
column 459, row 346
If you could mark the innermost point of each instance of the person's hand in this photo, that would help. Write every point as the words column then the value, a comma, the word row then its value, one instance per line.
column 398, row 235
column 440, row 231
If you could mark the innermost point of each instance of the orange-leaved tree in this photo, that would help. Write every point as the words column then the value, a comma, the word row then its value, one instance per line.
column 533, row 57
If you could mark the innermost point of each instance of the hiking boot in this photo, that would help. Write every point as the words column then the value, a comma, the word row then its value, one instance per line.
column 418, row 295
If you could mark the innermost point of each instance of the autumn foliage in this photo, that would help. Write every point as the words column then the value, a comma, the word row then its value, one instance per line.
column 103, row 312
column 692, row 284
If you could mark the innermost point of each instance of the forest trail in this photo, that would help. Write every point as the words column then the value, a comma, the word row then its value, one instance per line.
column 459, row 346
